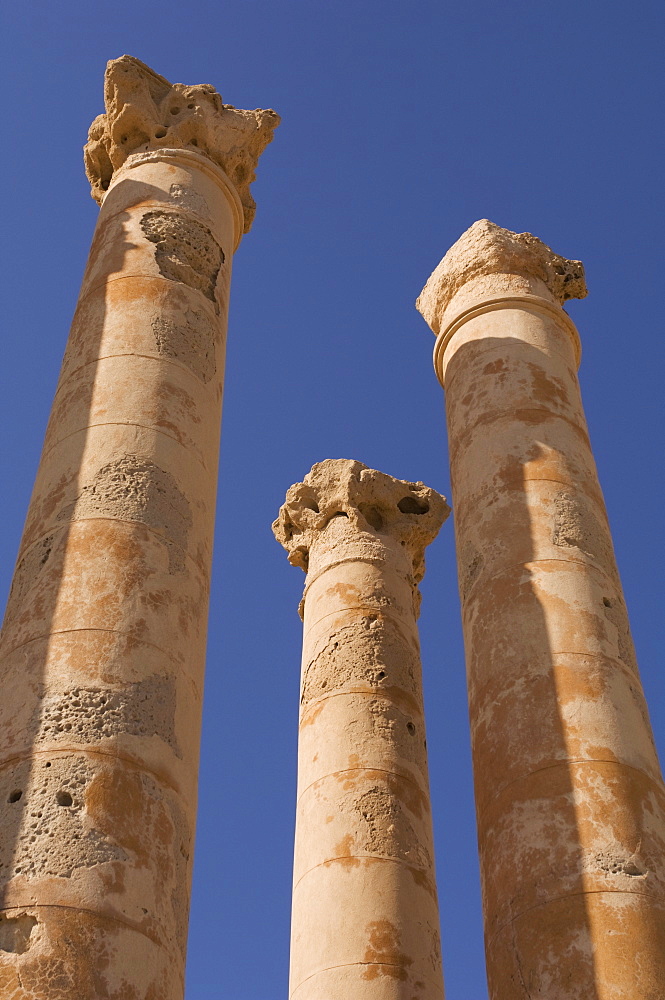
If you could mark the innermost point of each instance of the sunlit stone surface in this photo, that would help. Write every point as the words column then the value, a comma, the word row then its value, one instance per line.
column 569, row 794
column 365, row 915
column 103, row 646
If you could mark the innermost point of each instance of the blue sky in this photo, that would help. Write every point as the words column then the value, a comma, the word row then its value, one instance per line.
column 403, row 123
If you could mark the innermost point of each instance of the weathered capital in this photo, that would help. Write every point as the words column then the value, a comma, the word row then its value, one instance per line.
column 487, row 249
column 146, row 112
column 373, row 503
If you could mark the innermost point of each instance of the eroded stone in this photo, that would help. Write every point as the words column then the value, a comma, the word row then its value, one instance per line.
column 363, row 816
column 185, row 250
column 146, row 112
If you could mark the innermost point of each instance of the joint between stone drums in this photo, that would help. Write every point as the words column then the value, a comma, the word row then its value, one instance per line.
column 191, row 159
column 529, row 302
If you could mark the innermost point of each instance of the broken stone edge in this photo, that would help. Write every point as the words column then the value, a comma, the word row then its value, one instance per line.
column 486, row 249
column 145, row 113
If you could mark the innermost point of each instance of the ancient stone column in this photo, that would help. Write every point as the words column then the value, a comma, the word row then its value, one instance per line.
column 365, row 920
column 103, row 646
column 570, row 799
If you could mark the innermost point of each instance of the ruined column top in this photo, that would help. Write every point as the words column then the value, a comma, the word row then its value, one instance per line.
column 373, row 504
column 487, row 249
column 144, row 112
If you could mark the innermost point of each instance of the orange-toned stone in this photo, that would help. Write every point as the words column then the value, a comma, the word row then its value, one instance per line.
column 103, row 646
column 569, row 793
column 365, row 913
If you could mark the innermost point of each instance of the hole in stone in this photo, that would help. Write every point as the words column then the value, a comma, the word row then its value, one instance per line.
column 124, row 138
column 105, row 185
column 47, row 764
column 63, row 798
column 311, row 505
column 371, row 515
column 381, row 674
column 15, row 795
column 413, row 505
column 607, row 602
column 340, row 513
column 412, row 729
column 160, row 133
column 190, row 106
column 175, row 111
column 193, row 142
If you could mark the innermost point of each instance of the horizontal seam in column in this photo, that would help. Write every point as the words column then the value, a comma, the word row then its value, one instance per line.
column 597, row 498
column 94, row 752
column 126, row 423
column 358, row 857
column 569, row 895
column 112, row 631
column 533, row 562
column 118, row 520
column 569, row 652
column 552, row 353
column 149, row 277
column 85, row 909
column 460, row 438
column 351, row 965
column 601, row 656
column 360, row 607
column 348, row 770
column 339, row 694
column 130, row 354
column 567, row 763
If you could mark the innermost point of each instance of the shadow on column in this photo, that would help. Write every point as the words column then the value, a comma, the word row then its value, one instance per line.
column 37, row 834
column 555, row 700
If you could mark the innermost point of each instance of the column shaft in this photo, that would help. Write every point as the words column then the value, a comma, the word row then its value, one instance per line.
column 365, row 914
column 103, row 646
column 570, row 799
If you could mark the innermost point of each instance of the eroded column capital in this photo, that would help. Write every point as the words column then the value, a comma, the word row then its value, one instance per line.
column 144, row 112
column 375, row 507
column 485, row 250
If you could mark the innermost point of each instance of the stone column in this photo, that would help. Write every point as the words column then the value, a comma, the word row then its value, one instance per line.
column 570, row 799
column 365, row 918
column 104, row 638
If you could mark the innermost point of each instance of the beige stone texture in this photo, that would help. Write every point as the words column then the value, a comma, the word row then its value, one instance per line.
column 569, row 794
column 103, row 645
column 365, row 914
column 145, row 112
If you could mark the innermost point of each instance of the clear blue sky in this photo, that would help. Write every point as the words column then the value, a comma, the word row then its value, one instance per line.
column 403, row 122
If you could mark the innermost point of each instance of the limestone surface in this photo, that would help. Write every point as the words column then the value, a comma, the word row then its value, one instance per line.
column 486, row 251
column 103, row 646
column 146, row 112
column 569, row 794
column 365, row 914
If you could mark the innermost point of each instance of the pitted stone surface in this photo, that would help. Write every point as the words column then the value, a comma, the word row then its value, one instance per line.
column 376, row 505
column 379, row 657
column 570, row 801
column 146, row 112
column 185, row 250
column 135, row 489
column 487, row 249
column 190, row 342
column 85, row 715
column 363, row 824
column 104, row 652
column 54, row 834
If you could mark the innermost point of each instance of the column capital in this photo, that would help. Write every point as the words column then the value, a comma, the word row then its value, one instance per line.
column 368, row 504
column 486, row 250
column 145, row 113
